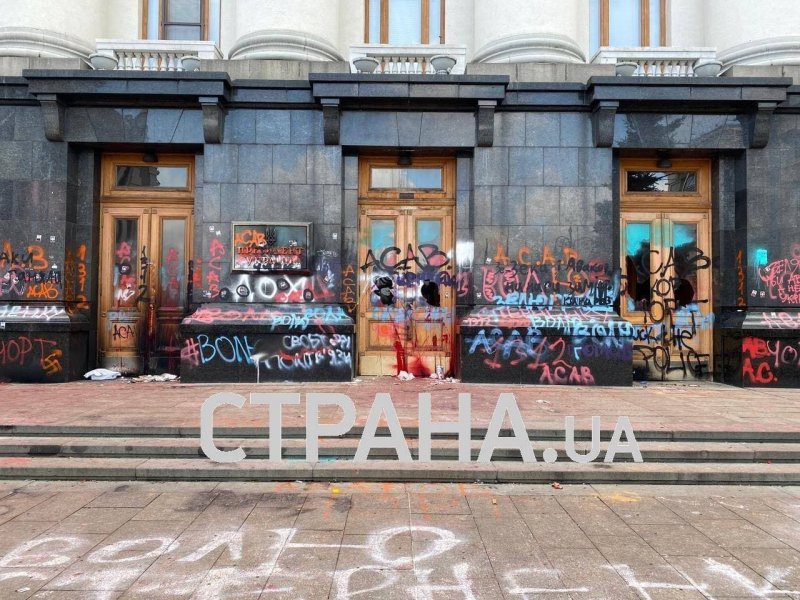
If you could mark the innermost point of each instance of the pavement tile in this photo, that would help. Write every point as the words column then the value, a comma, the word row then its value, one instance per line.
column 737, row 533
column 534, row 582
column 556, row 531
column 640, row 510
column 493, row 506
column 779, row 526
column 58, row 506
column 17, row 503
column 367, row 520
column 72, row 595
column 462, row 527
column 184, row 506
column 184, row 564
column 261, row 538
column 779, row 566
column 372, row 582
column 437, row 503
column 628, row 550
column 231, row 583
column 724, row 576
column 13, row 533
column 392, row 551
column 679, row 540
column 125, row 499
column 272, row 517
column 95, row 520
column 509, row 543
column 24, row 582
column 393, row 500
column 323, row 513
column 656, row 580
column 594, row 517
column 589, row 570
column 537, row 505
column 697, row 508
column 226, row 511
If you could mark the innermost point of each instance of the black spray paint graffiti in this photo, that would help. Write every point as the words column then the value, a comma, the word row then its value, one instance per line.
column 548, row 280
column 665, row 290
column 423, row 270
column 320, row 285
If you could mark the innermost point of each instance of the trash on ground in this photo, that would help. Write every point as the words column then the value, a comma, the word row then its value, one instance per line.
column 151, row 378
column 556, row 486
column 102, row 375
column 405, row 376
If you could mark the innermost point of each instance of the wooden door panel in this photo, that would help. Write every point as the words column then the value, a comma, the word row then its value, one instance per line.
column 143, row 277
column 668, row 291
column 406, row 259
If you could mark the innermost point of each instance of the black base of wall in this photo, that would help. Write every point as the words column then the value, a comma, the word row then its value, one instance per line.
column 520, row 345
column 42, row 344
column 760, row 349
column 267, row 343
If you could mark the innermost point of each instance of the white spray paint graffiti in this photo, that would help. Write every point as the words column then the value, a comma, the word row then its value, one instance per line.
column 111, row 567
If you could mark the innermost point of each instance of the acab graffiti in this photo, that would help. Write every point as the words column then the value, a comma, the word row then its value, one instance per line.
column 549, row 280
column 28, row 274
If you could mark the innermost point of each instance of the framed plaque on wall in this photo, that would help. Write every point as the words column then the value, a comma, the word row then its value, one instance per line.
column 260, row 247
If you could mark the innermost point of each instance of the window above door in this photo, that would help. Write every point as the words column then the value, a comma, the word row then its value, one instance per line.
column 627, row 23
column 181, row 20
column 404, row 22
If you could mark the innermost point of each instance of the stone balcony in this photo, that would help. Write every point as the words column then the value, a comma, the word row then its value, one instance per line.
column 155, row 55
column 409, row 60
column 656, row 62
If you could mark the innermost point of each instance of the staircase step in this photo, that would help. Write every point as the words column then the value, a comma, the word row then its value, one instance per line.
column 345, row 448
column 172, row 469
column 411, row 432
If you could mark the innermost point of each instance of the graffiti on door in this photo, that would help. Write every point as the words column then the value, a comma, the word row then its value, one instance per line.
column 665, row 288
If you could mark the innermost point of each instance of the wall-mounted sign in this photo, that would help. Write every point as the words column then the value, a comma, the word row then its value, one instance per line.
column 268, row 247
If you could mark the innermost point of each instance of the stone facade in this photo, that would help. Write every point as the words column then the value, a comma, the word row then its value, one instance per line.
column 537, row 202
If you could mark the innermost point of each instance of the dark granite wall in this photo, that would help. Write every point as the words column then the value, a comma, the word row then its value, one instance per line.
column 272, row 166
column 773, row 218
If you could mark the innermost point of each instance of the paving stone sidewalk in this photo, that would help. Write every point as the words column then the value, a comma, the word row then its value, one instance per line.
column 655, row 406
column 267, row 541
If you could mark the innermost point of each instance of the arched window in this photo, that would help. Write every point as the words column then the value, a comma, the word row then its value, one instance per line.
column 181, row 20
column 404, row 22
column 627, row 23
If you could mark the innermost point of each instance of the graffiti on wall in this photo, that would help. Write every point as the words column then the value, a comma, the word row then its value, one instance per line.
column 768, row 362
column 29, row 356
column 548, row 279
column 75, row 277
column 307, row 319
column 321, row 285
column 546, row 346
column 257, row 358
column 28, row 273
column 666, row 290
column 779, row 280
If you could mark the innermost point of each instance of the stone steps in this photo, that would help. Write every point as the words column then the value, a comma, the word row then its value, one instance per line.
column 174, row 454
column 345, row 448
column 175, row 469
column 411, row 432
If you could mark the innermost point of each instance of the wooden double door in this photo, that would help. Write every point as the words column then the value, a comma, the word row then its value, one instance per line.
column 667, row 267
column 144, row 282
column 406, row 290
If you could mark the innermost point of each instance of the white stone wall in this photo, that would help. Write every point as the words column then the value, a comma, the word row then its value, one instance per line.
column 744, row 32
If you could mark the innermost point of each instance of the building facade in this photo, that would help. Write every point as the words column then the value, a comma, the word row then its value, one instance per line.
column 579, row 192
